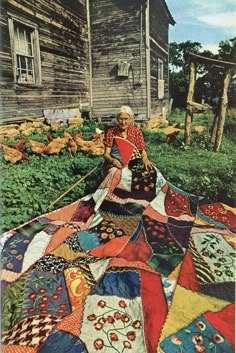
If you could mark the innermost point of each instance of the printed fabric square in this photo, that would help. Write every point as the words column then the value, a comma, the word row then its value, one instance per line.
column 198, row 337
column 144, row 184
column 112, row 324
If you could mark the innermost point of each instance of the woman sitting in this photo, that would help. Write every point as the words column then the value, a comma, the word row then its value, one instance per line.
column 127, row 131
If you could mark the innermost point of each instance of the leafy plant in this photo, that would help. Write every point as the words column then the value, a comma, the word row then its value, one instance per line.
column 28, row 188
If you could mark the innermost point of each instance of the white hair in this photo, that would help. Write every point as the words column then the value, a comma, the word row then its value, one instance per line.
column 125, row 109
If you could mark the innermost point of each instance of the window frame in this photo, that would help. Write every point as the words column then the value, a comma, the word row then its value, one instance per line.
column 12, row 20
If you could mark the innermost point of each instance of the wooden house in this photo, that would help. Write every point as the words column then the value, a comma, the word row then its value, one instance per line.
column 84, row 53
column 44, row 56
column 129, row 55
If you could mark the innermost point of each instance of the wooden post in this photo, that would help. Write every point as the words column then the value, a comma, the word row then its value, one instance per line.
column 189, row 109
column 222, row 113
column 214, row 128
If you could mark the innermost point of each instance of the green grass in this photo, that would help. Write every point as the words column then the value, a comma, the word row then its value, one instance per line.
column 27, row 189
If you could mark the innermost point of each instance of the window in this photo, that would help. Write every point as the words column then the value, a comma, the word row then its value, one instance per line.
column 25, row 52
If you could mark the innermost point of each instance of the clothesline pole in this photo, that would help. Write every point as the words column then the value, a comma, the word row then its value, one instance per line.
column 72, row 187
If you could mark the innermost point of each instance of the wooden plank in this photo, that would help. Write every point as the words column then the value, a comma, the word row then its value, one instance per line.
column 223, row 108
column 189, row 111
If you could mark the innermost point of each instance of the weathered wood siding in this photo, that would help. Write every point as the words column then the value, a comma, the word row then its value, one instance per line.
column 159, row 27
column 62, row 28
column 116, row 34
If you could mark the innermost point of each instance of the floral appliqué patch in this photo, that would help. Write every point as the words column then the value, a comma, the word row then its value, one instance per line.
column 199, row 337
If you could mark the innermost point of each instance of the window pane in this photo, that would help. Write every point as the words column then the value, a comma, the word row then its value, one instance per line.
column 23, row 40
column 25, row 71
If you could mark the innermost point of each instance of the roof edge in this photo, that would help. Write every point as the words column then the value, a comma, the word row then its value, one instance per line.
column 172, row 21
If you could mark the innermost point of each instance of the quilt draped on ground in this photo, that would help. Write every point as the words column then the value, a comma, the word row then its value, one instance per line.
column 138, row 266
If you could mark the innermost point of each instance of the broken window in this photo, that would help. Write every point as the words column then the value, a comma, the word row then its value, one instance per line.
column 25, row 52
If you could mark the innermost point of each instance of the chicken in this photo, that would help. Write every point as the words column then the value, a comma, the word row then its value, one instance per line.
column 56, row 145
column 171, row 137
column 72, row 146
column 20, row 145
column 98, row 138
column 12, row 155
column 93, row 147
column 78, row 139
column 37, row 147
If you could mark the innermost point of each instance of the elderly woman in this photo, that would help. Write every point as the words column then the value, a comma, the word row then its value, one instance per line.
column 127, row 131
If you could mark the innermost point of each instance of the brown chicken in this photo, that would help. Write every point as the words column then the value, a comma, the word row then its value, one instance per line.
column 72, row 146
column 56, row 145
column 93, row 147
column 20, row 145
column 37, row 147
column 12, row 155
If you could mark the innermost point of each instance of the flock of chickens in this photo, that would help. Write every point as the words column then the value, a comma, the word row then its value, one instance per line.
column 17, row 152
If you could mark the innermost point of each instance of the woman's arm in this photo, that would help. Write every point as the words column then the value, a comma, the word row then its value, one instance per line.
column 110, row 159
column 147, row 164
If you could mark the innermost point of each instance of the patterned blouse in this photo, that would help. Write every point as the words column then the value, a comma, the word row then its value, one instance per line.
column 134, row 135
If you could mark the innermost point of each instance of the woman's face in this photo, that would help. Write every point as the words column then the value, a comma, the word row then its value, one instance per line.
column 124, row 120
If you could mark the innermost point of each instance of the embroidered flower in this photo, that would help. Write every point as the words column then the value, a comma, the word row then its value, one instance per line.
column 216, row 338
column 197, row 339
column 200, row 325
column 101, row 303
column 125, row 318
column 127, row 344
column 176, row 340
column 131, row 335
column 98, row 344
column 102, row 320
column 98, row 326
column 117, row 315
column 137, row 324
column 91, row 317
column 110, row 319
column 122, row 304
column 113, row 336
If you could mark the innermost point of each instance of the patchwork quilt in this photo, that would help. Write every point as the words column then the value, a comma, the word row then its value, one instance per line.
column 138, row 266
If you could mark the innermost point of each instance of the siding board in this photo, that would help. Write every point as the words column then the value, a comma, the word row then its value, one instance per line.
column 63, row 41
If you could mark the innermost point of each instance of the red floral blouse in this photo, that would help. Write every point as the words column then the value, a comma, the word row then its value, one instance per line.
column 134, row 135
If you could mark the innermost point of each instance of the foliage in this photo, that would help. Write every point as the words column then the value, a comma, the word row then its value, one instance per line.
column 27, row 189
column 209, row 78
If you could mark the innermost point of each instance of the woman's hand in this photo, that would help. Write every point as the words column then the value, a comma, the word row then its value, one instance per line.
column 116, row 163
column 148, row 165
